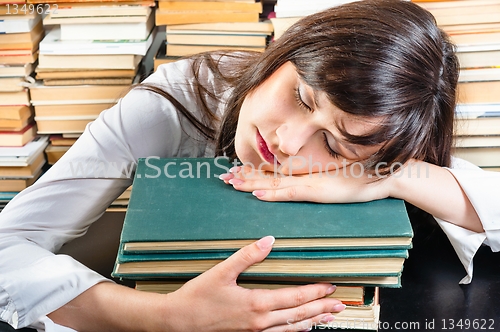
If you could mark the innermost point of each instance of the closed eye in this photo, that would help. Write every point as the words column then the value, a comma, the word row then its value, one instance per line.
column 328, row 148
column 301, row 102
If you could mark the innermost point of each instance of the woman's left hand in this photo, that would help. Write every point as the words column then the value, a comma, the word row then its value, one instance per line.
column 341, row 187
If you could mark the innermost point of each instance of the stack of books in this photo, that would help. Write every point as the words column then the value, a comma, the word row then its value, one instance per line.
column 89, row 58
column 474, row 26
column 121, row 203
column 20, row 165
column 287, row 12
column 20, row 34
column 21, row 30
column 182, row 220
column 199, row 26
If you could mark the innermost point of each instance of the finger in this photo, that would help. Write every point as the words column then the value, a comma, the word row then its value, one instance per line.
column 244, row 258
column 292, row 297
column 245, row 172
column 292, row 193
column 226, row 177
column 308, row 312
column 305, row 325
column 267, row 182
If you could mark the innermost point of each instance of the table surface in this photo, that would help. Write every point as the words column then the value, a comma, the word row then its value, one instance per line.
column 431, row 295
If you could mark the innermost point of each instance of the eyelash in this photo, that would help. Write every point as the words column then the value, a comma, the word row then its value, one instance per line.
column 301, row 102
column 332, row 152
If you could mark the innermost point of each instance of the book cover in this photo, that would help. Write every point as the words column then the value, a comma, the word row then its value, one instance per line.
column 179, row 204
column 477, row 126
column 354, row 295
column 325, row 263
column 24, row 172
column 263, row 26
column 108, row 31
column 167, row 17
column 11, row 70
column 52, row 44
column 9, row 138
column 18, row 24
column 23, row 156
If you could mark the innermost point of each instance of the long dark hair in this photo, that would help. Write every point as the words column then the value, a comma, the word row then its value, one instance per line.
column 373, row 58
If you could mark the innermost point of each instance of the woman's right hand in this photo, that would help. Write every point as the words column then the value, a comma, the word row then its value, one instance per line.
column 210, row 302
column 214, row 302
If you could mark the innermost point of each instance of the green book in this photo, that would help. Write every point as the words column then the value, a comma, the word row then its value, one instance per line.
column 180, row 205
column 324, row 263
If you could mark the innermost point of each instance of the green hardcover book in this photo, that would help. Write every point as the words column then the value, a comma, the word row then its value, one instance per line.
column 180, row 205
column 324, row 263
column 368, row 281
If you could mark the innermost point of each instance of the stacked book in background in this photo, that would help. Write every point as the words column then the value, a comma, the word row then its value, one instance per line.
column 199, row 26
column 120, row 204
column 287, row 12
column 90, row 56
column 21, row 159
column 21, row 31
column 20, row 165
column 181, row 221
column 20, row 34
column 474, row 26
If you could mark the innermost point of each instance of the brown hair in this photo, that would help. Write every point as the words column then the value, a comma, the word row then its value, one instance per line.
column 373, row 58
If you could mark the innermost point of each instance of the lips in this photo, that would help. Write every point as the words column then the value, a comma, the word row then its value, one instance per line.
column 264, row 150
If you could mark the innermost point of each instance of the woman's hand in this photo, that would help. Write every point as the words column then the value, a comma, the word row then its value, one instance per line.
column 214, row 302
column 211, row 302
column 431, row 188
column 344, row 186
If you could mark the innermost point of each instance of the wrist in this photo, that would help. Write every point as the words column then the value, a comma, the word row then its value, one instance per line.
column 171, row 317
column 397, row 183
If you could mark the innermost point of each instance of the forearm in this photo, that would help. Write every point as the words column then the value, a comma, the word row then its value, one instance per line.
column 111, row 307
column 435, row 190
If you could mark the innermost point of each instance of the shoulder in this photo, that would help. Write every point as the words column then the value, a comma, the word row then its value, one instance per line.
column 462, row 164
column 213, row 71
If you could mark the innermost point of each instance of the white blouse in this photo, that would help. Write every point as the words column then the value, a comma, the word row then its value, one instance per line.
column 75, row 192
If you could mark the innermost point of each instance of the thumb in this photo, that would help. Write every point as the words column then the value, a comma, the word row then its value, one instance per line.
column 245, row 257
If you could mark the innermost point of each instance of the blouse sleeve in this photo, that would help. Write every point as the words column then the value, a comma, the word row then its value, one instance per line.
column 76, row 191
column 481, row 188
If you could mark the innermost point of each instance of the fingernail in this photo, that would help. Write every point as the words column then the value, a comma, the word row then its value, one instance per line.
column 258, row 193
column 331, row 289
column 265, row 243
column 235, row 169
column 339, row 307
column 236, row 181
column 225, row 176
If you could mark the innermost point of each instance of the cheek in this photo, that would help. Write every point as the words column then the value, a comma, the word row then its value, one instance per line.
column 265, row 108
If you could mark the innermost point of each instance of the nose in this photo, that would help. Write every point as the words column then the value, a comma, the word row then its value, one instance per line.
column 292, row 138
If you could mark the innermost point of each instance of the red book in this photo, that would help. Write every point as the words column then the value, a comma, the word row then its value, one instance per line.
column 19, row 137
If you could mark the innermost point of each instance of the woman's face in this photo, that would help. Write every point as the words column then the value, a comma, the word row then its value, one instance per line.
column 285, row 123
